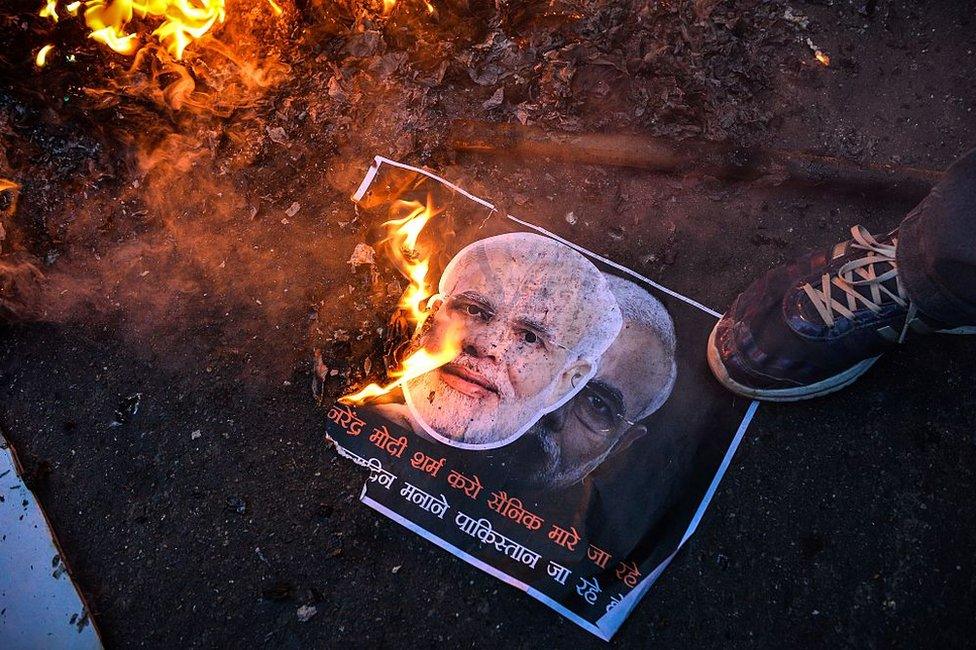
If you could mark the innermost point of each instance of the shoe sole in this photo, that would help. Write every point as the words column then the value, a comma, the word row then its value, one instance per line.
column 824, row 387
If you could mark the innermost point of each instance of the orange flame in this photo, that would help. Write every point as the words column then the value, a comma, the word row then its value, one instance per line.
column 402, row 241
column 182, row 21
column 418, row 363
column 822, row 57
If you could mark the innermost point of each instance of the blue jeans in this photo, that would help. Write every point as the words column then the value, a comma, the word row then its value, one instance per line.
column 937, row 247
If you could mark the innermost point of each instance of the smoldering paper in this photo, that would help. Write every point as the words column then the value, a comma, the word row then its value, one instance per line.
column 587, row 507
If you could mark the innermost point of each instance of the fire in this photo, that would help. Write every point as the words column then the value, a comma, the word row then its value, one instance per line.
column 416, row 299
column 414, row 365
column 49, row 10
column 822, row 57
column 402, row 241
column 180, row 22
column 40, row 61
column 183, row 22
column 390, row 5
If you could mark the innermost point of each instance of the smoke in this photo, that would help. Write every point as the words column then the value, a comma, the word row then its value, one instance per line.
column 177, row 258
column 201, row 208
column 154, row 225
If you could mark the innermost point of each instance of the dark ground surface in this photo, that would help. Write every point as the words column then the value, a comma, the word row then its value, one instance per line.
column 844, row 521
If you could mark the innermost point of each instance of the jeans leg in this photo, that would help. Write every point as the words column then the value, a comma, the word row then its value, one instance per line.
column 937, row 247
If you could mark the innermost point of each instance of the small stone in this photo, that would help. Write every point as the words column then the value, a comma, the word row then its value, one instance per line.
column 495, row 100
column 570, row 217
column 305, row 612
column 293, row 209
column 277, row 134
column 362, row 254
column 336, row 91
column 196, row 434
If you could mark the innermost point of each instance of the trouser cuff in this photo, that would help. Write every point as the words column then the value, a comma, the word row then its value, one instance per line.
column 929, row 293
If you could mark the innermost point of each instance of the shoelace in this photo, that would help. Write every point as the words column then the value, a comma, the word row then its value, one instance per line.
column 862, row 273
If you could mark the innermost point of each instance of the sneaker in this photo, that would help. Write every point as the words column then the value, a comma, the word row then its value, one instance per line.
column 815, row 325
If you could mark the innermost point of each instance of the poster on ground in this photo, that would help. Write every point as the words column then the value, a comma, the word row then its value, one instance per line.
column 565, row 434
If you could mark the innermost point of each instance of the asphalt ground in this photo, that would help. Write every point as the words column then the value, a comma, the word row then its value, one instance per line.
column 209, row 514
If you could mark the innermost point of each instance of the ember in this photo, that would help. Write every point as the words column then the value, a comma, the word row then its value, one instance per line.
column 416, row 301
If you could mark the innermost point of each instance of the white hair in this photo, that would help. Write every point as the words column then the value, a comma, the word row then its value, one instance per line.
column 638, row 306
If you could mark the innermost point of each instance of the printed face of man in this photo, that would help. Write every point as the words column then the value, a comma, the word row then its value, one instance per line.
column 530, row 316
column 601, row 414
column 580, row 435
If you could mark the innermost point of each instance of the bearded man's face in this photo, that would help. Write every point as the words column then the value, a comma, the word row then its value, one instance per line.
column 522, row 311
column 635, row 377
column 584, row 432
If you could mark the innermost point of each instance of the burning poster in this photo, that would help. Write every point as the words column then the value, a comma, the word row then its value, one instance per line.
column 546, row 414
